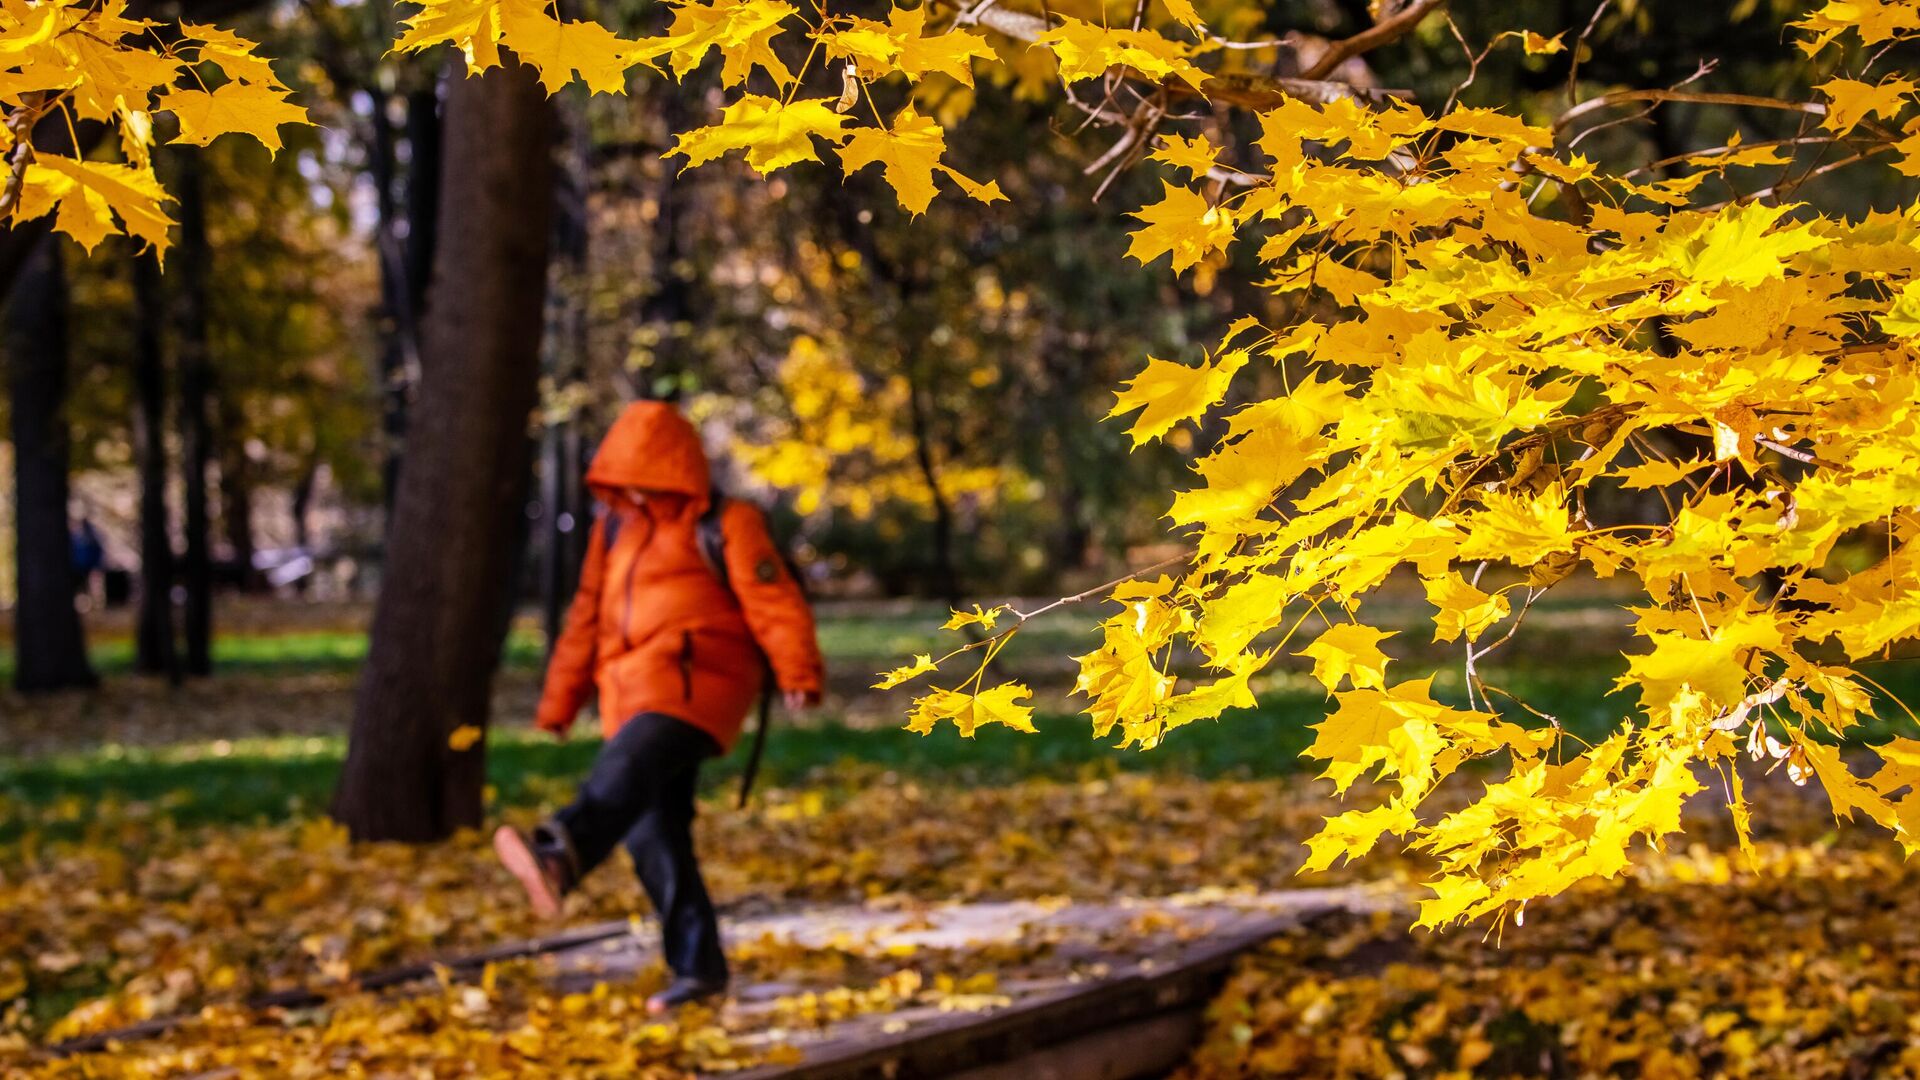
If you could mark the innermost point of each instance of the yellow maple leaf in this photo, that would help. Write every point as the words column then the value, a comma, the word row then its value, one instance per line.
column 773, row 133
column 1464, row 609
column 986, row 193
column 1395, row 728
column 236, row 107
column 1182, row 224
column 1847, row 791
column 1354, row 833
column 1712, row 666
column 1739, row 246
column 1196, row 155
column 1086, row 50
column 743, row 30
column 909, row 154
column 1349, row 651
column 1242, row 476
column 984, row 618
column 902, row 45
column 1168, row 392
column 969, row 712
column 235, row 55
column 1535, row 45
column 85, row 197
column 1453, row 896
column 462, row 738
column 1521, row 528
column 1849, row 101
column 557, row 48
column 922, row 663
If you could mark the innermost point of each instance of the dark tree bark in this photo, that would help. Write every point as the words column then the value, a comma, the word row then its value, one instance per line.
column 236, row 494
column 301, row 511
column 944, row 578
column 155, row 651
column 435, row 645
column 562, row 489
column 49, row 642
column 423, row 192
column 668, row 304
column 409, row 219
column 196, row 428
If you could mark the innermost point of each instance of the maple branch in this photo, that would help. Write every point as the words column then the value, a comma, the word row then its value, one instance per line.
column 1573, row 72
column 1786, row 186
column 1621, row 97
column 1382, row 33
column 20, row 124
column 1801, row 140
column 1248, row 91
column 1085, row 594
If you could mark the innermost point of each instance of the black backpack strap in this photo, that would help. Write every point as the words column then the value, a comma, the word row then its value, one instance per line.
column 759, row 744
column 712, row 537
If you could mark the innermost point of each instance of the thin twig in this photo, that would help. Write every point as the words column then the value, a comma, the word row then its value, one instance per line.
column 1573, row 73
column 1382, row 33
column 1089, row 593
column 1621, row 97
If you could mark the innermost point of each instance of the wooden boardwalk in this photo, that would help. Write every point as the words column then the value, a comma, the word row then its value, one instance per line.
column 1115, row 990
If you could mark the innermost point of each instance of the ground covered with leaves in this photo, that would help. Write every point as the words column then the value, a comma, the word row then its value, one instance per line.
column 1800, row 964
column 215, row 914
column 1803, row 961
column 163, row 853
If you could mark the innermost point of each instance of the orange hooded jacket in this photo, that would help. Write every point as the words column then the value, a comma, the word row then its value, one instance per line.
column 652, row 627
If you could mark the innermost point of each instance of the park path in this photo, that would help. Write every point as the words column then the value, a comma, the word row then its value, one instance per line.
column 1072, row 989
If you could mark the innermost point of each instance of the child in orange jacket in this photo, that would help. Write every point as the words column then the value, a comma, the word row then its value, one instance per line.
column 676, row 652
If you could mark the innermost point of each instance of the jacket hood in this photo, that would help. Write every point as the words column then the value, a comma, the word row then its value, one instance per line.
column 652, row 447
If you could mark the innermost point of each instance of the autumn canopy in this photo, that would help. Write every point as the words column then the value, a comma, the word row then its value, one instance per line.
column 1491, row 331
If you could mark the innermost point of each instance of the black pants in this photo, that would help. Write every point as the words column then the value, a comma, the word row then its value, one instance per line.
column 640, row 793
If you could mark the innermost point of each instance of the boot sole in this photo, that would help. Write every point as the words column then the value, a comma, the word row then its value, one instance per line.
column 524, row 865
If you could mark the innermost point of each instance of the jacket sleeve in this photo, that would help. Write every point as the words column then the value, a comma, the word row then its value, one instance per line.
column 777, row 611
column 570, row 667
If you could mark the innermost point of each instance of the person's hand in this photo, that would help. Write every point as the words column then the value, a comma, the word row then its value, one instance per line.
column 801, row 700
column 555, row 726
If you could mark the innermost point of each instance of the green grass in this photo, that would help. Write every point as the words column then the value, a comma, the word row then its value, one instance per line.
column 293, row 652
column 275, row 778
column 252, row 779
column 868, row 639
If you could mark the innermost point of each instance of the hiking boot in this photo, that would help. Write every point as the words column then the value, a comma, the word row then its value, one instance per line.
column 683, row 990
column 541, row 863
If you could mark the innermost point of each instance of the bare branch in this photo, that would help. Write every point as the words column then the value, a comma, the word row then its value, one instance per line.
column 1247, row 91
column 1382, row 33
column 1621, row 97
column 20, row 124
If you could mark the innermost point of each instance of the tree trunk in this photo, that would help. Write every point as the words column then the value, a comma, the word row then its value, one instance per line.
column 424, row 137
column 196, row 427
column 236, row 494
column 154, row 648
column 668, row 304
column 50, row 645
column 302, row 526
column 944, row 581
column 562, row 490
column 435, row 643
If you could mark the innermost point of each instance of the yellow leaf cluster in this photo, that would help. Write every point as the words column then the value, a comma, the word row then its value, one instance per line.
column 62, row 61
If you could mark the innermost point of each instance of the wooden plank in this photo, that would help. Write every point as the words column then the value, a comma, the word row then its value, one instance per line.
column 1022, row 1035
column 1144, row 1048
